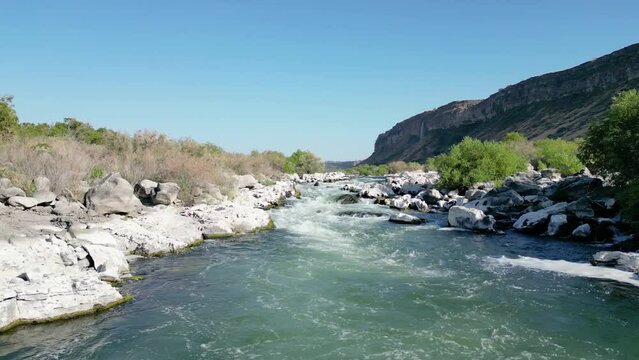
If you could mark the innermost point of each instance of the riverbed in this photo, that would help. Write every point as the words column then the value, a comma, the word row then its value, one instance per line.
column 341, row 282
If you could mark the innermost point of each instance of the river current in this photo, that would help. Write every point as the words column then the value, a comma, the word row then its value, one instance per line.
column 341, row 282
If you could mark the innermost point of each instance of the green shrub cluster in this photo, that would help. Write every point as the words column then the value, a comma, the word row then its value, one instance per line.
column 472, row 161
column 8, row 118
column 368, row 170
column 303, row 162
column 611, row 149
column 558, row 154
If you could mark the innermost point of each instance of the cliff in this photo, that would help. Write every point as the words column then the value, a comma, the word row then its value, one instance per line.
column 559, row 104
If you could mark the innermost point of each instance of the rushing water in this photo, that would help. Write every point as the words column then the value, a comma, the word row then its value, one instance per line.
column 325, row 286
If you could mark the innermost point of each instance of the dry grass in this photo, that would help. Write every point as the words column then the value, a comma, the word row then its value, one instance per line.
column 73, row 165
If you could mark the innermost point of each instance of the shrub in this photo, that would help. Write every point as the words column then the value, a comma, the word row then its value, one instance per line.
column 513, row 137
column 472, row 161
column 368, row 170
column 8, row 118
column 303, row 162
column 558, row 154
column 611, row 147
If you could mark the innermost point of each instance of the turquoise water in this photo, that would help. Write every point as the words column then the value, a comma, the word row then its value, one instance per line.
column 324, row 286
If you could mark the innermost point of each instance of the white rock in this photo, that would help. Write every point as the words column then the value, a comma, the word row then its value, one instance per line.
column 112, row 195
column 471, row 219
column 536, row 220
column 582, row 232
column 246, row 181
column 145, row 189
column 402, row 218
column 159, row 230
column 44, row 197
column 110, row 263
column 166, row 194
column 401, row 202
column 556, row 224
column 22, row 202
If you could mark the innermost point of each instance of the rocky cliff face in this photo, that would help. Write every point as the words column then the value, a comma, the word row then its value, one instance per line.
column 559, row 104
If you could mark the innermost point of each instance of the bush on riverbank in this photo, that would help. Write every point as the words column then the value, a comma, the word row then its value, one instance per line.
column 611, row 149
column 472, row 161
column 558, row 154
column 393, row 167
column 303, row 162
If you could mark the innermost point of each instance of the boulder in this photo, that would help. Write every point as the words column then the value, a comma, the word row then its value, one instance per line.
column 502, row 199
column 471, row 219
column 475, row 194
column 64, row 208
column 5, row 183
column 166, row 194
column 551, row 174
column 430, row 196
column 523, row 183
column 110, row 263
column 209, row 194
column 573, row 188
column 246, row 181
column 145, row 189
column 22, row 202
column 411, row 189
column 44, row 197
column 374, row 191
column 112, row 195
column 582, row 232
column 401, row 218
column 581, row 209
column 347, row 199
column 418, row 204
column 401, row 202
column 6, row 193
column 536, row 221
column 558, row 225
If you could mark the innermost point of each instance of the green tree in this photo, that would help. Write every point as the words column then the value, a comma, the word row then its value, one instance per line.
column 303, row 162
column 8, row 117
column 611, row 146
column 558, row 154
column 472, row 161
column 611, row 149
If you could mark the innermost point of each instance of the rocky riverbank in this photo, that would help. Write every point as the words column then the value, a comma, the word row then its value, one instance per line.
column 578, row 208
column 59, row 257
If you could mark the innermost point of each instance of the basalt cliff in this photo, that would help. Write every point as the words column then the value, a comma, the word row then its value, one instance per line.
column 556, row 105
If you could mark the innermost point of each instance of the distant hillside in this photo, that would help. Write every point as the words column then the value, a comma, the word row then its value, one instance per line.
column 339, row 165
column 559, row 104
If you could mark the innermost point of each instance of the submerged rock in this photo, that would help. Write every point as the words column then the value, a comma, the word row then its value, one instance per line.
column 347, row 199
column 401, row 218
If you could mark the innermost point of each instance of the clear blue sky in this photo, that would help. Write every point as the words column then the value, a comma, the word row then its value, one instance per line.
column 327, row 76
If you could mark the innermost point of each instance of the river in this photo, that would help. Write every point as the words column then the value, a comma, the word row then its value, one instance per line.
column 330, row 285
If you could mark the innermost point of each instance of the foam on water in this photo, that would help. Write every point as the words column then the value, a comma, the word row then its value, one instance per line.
column 568, row 268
